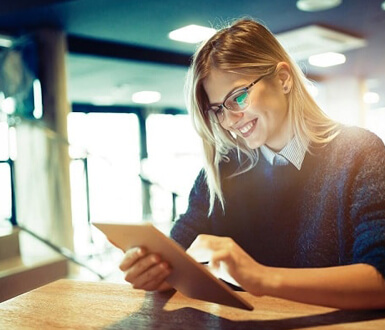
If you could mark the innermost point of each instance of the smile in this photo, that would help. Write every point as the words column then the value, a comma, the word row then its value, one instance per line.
column 246, row 130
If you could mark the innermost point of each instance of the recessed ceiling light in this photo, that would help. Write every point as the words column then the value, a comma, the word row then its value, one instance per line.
column 146, row 97
column 314, row 39
column 5, row 41
column 371, row 98
column 317, row 5
column 192, row 34
column 327, row 59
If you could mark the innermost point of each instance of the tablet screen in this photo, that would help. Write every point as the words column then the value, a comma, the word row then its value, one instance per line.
column 188, row 276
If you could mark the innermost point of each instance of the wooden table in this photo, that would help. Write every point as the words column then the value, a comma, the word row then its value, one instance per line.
column 70, row 304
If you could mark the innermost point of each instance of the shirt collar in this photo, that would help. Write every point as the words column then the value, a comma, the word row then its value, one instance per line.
column 293, row 152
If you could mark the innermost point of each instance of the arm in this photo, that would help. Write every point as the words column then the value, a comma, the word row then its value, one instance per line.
column 357, row 286
column 194, row 221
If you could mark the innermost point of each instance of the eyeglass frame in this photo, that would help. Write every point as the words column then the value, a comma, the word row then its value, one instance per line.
column 223, row 106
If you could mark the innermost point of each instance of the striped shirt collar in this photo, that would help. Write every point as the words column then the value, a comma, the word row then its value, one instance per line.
column 293, row 152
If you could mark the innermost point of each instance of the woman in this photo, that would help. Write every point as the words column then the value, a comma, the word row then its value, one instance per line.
column 290, row 204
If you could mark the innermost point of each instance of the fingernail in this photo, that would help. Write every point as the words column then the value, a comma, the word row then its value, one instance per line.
column 164, row 265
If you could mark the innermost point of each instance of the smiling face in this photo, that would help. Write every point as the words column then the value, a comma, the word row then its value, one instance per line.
column 265, row 120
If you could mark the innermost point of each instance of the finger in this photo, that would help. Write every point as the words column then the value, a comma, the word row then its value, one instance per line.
column 153, row 278
column 165, row 286
column 204, row 246
column 225, row 273
column 218, row 256
column 141, row 266
column 131, row 257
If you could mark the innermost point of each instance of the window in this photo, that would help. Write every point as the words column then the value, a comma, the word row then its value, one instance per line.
column 173, row 163
column 375, row 120
column 5, row 176
column 104, row 148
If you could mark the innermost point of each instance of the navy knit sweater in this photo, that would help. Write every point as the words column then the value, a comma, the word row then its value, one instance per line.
column 331, row 212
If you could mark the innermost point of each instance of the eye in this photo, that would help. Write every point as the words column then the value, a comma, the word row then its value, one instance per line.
column 240, row 99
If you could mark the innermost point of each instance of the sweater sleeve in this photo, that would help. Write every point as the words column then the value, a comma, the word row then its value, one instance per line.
column 195, row 221
column 368, row 204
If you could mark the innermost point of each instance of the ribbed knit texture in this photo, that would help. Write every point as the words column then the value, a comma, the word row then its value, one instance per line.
column 331, row 212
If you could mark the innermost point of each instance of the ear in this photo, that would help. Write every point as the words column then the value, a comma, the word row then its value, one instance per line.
column 284, row 76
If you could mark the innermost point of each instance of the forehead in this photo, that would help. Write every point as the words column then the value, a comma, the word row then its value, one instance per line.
column 219, row 84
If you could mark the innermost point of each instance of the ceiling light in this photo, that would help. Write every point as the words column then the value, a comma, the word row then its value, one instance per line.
column 5, row 41
column 371, row 98
column 317, row 5
column 192, row 34
column 146, row 97
column 313, row 39
column 383, row 5
column 327, row 59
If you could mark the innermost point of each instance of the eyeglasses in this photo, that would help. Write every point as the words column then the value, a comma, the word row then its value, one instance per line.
column 237, row 101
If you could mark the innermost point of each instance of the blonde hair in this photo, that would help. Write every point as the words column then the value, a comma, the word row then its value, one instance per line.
column 247, row 47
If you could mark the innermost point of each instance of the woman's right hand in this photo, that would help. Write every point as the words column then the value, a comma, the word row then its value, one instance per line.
column 145, row 271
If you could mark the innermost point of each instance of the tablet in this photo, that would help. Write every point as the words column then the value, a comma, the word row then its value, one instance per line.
column 188, row 276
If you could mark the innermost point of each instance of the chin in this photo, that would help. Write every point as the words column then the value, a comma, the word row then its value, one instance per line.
column 254, row 144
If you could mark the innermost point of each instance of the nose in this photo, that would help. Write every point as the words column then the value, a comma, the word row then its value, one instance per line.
column 231, row 118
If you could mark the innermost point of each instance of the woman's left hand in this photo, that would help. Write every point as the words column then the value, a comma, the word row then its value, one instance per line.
column 229, row 261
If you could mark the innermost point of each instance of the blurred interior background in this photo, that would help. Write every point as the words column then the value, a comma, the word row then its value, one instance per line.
column 93, row 124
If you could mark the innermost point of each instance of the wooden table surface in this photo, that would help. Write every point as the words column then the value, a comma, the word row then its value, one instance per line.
column 70, row 304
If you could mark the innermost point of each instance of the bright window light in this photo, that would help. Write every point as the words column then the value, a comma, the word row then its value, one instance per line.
column 192, row 34
column 313, row 90
column 146, row 97
column 8, row 105
column 383, row 5
column 103, row 100
column 38, row 100
column 371, row 98
column 327, row 59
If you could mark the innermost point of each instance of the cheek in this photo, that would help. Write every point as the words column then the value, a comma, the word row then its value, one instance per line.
column 270, row 99
column 274, row 109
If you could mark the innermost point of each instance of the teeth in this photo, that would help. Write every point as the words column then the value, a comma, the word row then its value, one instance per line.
column 246, row 128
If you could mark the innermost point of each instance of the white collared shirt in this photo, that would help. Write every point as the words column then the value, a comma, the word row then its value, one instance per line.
column 293, row 152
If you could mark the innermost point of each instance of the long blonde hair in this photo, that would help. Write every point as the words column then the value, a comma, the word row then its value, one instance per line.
column 247, row 47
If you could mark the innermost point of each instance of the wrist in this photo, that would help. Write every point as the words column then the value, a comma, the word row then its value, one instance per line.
column 271, row 281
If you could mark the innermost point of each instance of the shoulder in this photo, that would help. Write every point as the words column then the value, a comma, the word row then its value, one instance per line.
column 356, row 138
column 354, row 141
column 353, row 147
